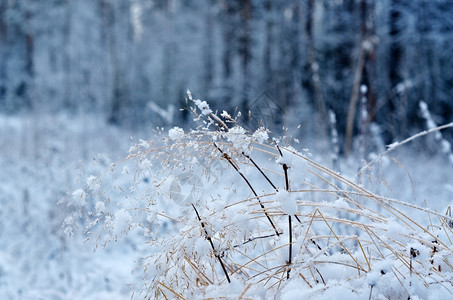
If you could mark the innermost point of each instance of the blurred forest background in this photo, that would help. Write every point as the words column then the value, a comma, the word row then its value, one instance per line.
column 131, row 61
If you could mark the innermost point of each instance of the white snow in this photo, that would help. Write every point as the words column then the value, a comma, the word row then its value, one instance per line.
column 392, row 145
column 176, row 133
column 203, row 106
column 261, row 135
column 287, row 202
column 100, row 207
column 363, row 89
column 92, row 183
column 286, row 159
column 122, row 222
column 79, row 193
column 226, row 115
column 236, row 134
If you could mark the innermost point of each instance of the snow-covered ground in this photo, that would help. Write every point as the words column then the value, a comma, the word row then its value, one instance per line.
column 133, row 203
column 40, row 159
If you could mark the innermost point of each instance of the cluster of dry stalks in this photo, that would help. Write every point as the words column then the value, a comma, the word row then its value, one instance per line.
column 230, row 213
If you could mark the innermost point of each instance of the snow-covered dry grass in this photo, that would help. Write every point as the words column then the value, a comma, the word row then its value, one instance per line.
column 219, row 211
column 216, row 211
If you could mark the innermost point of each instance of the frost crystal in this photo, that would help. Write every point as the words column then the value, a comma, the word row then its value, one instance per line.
column 78, row 194
column 100, row 207
column 79, row 197
column 125, row 170
column 260, row 135
column 122, row 222
column 176, row 133
column 393, row 145
column 92, row 183
column 203, row 106
column 68, row 225
column 189, row 94
column 225, row 115
column 236, row 134
column 144, row 144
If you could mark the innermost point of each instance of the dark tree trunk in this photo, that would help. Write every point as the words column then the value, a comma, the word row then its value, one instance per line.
column 229, row 42
column 19, row 58
column 3, row 52
column 269, row 42
column 315, row 80
column 209, row 48
column 363, row 71
column 295, row 47
column 245, row 52
column 228, row 37
column 395, row 46
column 118, row 88
column 68, row 102
column 396, row 55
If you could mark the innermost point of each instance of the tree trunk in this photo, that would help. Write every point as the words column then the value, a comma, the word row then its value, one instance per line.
column 19, row 58
column 269, row 41
column 360, row 77
column 314, row 68
column 118, row 94
column 3, row 52
column 209, row 48
column 396, row 55
column 68, row 102
column 245, row 52
column 228, row 38
column 229, row 28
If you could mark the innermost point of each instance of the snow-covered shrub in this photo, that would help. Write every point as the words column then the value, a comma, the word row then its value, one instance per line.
column 224, row 212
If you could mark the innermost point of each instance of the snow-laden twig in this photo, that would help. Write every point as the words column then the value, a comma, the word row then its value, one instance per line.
column 208, row 237
column 229, row 159
column 392, row 147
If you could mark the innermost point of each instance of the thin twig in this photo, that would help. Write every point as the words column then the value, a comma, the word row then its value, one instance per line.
column 354, row 98
column 285, row 169
column 371, row 291
column 228, row 158
column 261, row 171
column 251, row 239
column 212, row 244
column 244, row 291
column 290, row 246
column 220, row 121
column 171, row 290
column 322, row 278
column 409, row 139
column 341, row 243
